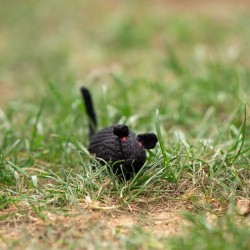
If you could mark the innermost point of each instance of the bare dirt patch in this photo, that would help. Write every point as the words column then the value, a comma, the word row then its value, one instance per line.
column 163, row 219
column 91, row 220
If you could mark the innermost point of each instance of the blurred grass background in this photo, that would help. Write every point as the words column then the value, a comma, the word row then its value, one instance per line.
column 65, row 41
column 187, row 57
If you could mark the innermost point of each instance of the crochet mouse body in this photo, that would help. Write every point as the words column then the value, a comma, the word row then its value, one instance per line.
column 117, row 144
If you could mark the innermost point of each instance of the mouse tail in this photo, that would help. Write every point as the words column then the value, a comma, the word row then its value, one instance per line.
column 89, row 110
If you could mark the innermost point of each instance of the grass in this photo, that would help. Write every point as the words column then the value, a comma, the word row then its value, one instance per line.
column 185, row 77
column 201, row 235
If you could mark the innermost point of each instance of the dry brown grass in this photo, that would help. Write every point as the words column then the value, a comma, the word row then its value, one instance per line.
column 109, row 220
column 162, row 218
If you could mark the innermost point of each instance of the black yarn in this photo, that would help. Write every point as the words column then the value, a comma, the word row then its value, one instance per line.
column 90, row 111
column 118, row 144
column 121, row 130
column 148, row 140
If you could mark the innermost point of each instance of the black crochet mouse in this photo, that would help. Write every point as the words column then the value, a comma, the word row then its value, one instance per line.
column 117, row 144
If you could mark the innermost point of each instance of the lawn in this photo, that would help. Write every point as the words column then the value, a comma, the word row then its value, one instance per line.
column 180, row 69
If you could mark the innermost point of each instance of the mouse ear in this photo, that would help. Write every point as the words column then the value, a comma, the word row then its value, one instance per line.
column 121, row 130
column 148, row 140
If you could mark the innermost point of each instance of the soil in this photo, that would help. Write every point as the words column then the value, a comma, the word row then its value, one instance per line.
column 162, row 218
